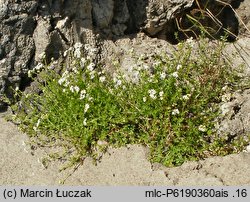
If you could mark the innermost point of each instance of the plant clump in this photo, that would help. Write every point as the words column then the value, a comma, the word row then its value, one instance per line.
column 171, row 108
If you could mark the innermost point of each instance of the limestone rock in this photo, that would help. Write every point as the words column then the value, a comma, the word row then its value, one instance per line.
column 161, row 12
column 236, row 120
column 16, row 43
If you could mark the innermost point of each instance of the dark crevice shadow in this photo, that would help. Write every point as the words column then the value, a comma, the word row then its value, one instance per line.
column 214, row 21
column 129, row 18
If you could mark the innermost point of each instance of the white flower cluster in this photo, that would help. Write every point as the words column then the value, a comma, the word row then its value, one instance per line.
column 152, row 94
column 91, row 67
column 38, row 68
column 64, row 80
column 102, row 79
column 74, row 89
column 86, row 108
column 85, row 122
column 83, row 94
column 179, row 66
column 161, row 95
column 175, row 112
column 190, row 41
column 186, row 97
column 175, row 74
column 163, row 75
column 202, row 128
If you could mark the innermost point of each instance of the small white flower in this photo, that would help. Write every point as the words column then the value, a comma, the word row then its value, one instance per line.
column 77, row 89
column 190, row 41
column 186, row 97
column 152, row 93
column 161, row 95
column 75, row 70
column 92, row 75
column 163, row 75
column 90, row 99
column 72, row 89
column 102, row 79
column 82, row 94
column 85, row 122
column 175, row 74
column 175, row 112
column 39, row 66
column 202, row 128
column 83, row 62
column 144, row 99
column 86, row 108
column 83, row 91
column 118, row 82
column 91, row 66
column 64, row 90
column 61, row 80
column 77, row 53
column 151, row 78
column 179, row 67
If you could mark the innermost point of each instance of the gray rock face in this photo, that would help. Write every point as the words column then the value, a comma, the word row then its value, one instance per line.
column 160, row 13
column 31, row 28
column 236, row 116
column 16, row 43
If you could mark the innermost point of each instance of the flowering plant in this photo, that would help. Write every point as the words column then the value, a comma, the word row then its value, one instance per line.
column 172, row 110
